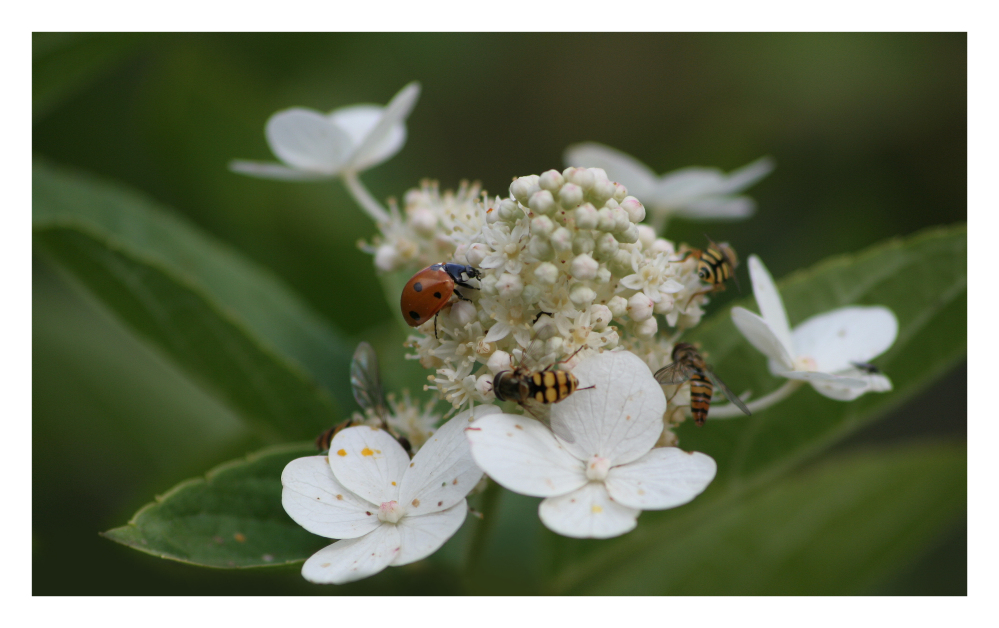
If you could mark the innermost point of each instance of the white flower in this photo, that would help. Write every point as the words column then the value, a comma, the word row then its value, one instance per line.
column 387, row 509
column 823, row 350
column 695, row 193
column 652, row 278
column 314, row 145
column 596, row 486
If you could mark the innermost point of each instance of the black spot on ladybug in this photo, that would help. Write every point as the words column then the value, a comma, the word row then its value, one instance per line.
column 418, row 286
column 415, row 316
column 438, row 295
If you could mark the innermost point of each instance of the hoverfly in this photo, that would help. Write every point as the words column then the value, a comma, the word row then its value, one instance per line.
column 535, row 391
column 689, row 365
column 714, row 266
column 366, row 384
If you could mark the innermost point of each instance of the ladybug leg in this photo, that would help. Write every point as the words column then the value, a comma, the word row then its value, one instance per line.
column 538, row 317
column 465, row 285
column 435, row 326
column 461, row 296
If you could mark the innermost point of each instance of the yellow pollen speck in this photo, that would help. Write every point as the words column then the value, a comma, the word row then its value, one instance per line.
column 325, row 565
column 416, row 503
column 393, row 483
column 340, row 497
column 341, row 453
column 367, row 452
column 595, row 509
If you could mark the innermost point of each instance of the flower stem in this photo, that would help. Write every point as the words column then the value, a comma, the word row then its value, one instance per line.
column 480, row 533
column 364, row 198
column 730, row 411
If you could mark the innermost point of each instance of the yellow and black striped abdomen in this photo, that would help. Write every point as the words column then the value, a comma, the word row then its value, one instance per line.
column 701, row 390
column 552, row 386
column 713, row 267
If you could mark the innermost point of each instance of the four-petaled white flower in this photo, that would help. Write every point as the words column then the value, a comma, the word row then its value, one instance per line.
column 597, row 485
column 388, row 509
column 825, row 349
column 314, row 145
column 694, row 193
column 653, row 278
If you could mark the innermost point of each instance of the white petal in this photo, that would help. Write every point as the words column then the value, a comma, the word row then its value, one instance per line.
column 770, row 304
column 266, row 170
column 851, row 334
column 665, row 477
column 759, row 334
column 522, row 455
column 682, row 186
column 499, row 331
column 317, row 502
column 422, row 535
column 633, row 282
column 369, row 462
column 621, row 418
column 834, row 390
column 588, row 513
column 718, row 208
column 353, row 559
column 389, row 134
column 305, row 139
column 746, row 176
column 671, row 286
column 620, row 167
column 817, row 376
column 357, row 121
column 443, row 471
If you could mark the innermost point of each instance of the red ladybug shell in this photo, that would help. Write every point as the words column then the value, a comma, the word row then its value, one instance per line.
column 425, row 294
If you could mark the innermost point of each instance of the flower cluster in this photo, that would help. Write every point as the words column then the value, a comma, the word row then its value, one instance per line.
column 564, row 259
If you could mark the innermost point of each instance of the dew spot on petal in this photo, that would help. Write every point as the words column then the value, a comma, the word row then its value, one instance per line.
column 367, row 512
column 416, row 502
column 595, row 509
column 325, row 565
column 339, row 497
column 440, row 503
column 455, row 482
column 518, row 427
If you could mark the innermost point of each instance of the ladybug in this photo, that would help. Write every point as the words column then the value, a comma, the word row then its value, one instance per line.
column 429, row 290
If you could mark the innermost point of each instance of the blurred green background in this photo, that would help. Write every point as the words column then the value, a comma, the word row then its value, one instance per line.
column 868, row 132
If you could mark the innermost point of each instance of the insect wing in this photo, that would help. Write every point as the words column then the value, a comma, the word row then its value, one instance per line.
column 731, row 396
column 675, row 373
column 365, row 380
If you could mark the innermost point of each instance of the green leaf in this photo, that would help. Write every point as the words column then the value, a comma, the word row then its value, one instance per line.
column 840, row 528
column 230, row 518
column 228, row 324
column 923, row 279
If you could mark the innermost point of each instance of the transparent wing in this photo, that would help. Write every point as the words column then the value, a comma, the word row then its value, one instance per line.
column 366, row 381
column 543, row 413
column 675, row 373
column 731, row 396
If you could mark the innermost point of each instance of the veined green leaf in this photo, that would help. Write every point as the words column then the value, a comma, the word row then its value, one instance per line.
column 230, row 518
column 231, row 326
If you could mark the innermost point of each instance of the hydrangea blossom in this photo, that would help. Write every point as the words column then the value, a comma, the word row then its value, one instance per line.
column 312, row 145
column 598, row 484
column 823, row 350
column 565, row 259
column 385, row 508
column 694, row 193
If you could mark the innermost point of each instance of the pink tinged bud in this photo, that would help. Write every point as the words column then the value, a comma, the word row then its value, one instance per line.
column 523, row 187
column 647, row 328
column 552, row 181
column 562, row 239
column 618, row 306
column 597, row 468
column 509, row 286
column 546, row 273
column 390, row 512
column 586, row 216
column 476, row 253
column 584, row 267
column 635, row 209
column 542, row 202
column 499, row 361
column 484, row 386
column 640, row 307
column 570, row 196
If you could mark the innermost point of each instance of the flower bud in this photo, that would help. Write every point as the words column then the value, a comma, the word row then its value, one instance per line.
column 532, row 293
column 581, row 294
column 499, row 361
column 542, row 225
column 562, row 239
column 618, row 306
column 605, row 220
column 544, row 326
column 665, row 304
column 601, row 191
column 621, row 221
column 523, row 187
column 628, row 236
column 386, row 258
column 635, row 209
column 647, row 328
column 586, row 216
column 542, row 202
column 484, row 386
column 540, row 248
column 509, row 211
column 462, row 313
column 621, row 264
column 509, row 286
column 551, row 180
column 582, row 243
column 646, row 235
column 620, row 192
column 662, row 245
column 639, row 307
column 423, row 221
column 547, row 273
column 570, row 196
column 606, row 247
column 584, row 267
column 476, row 253
column 581, row 177
column 603, row 275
